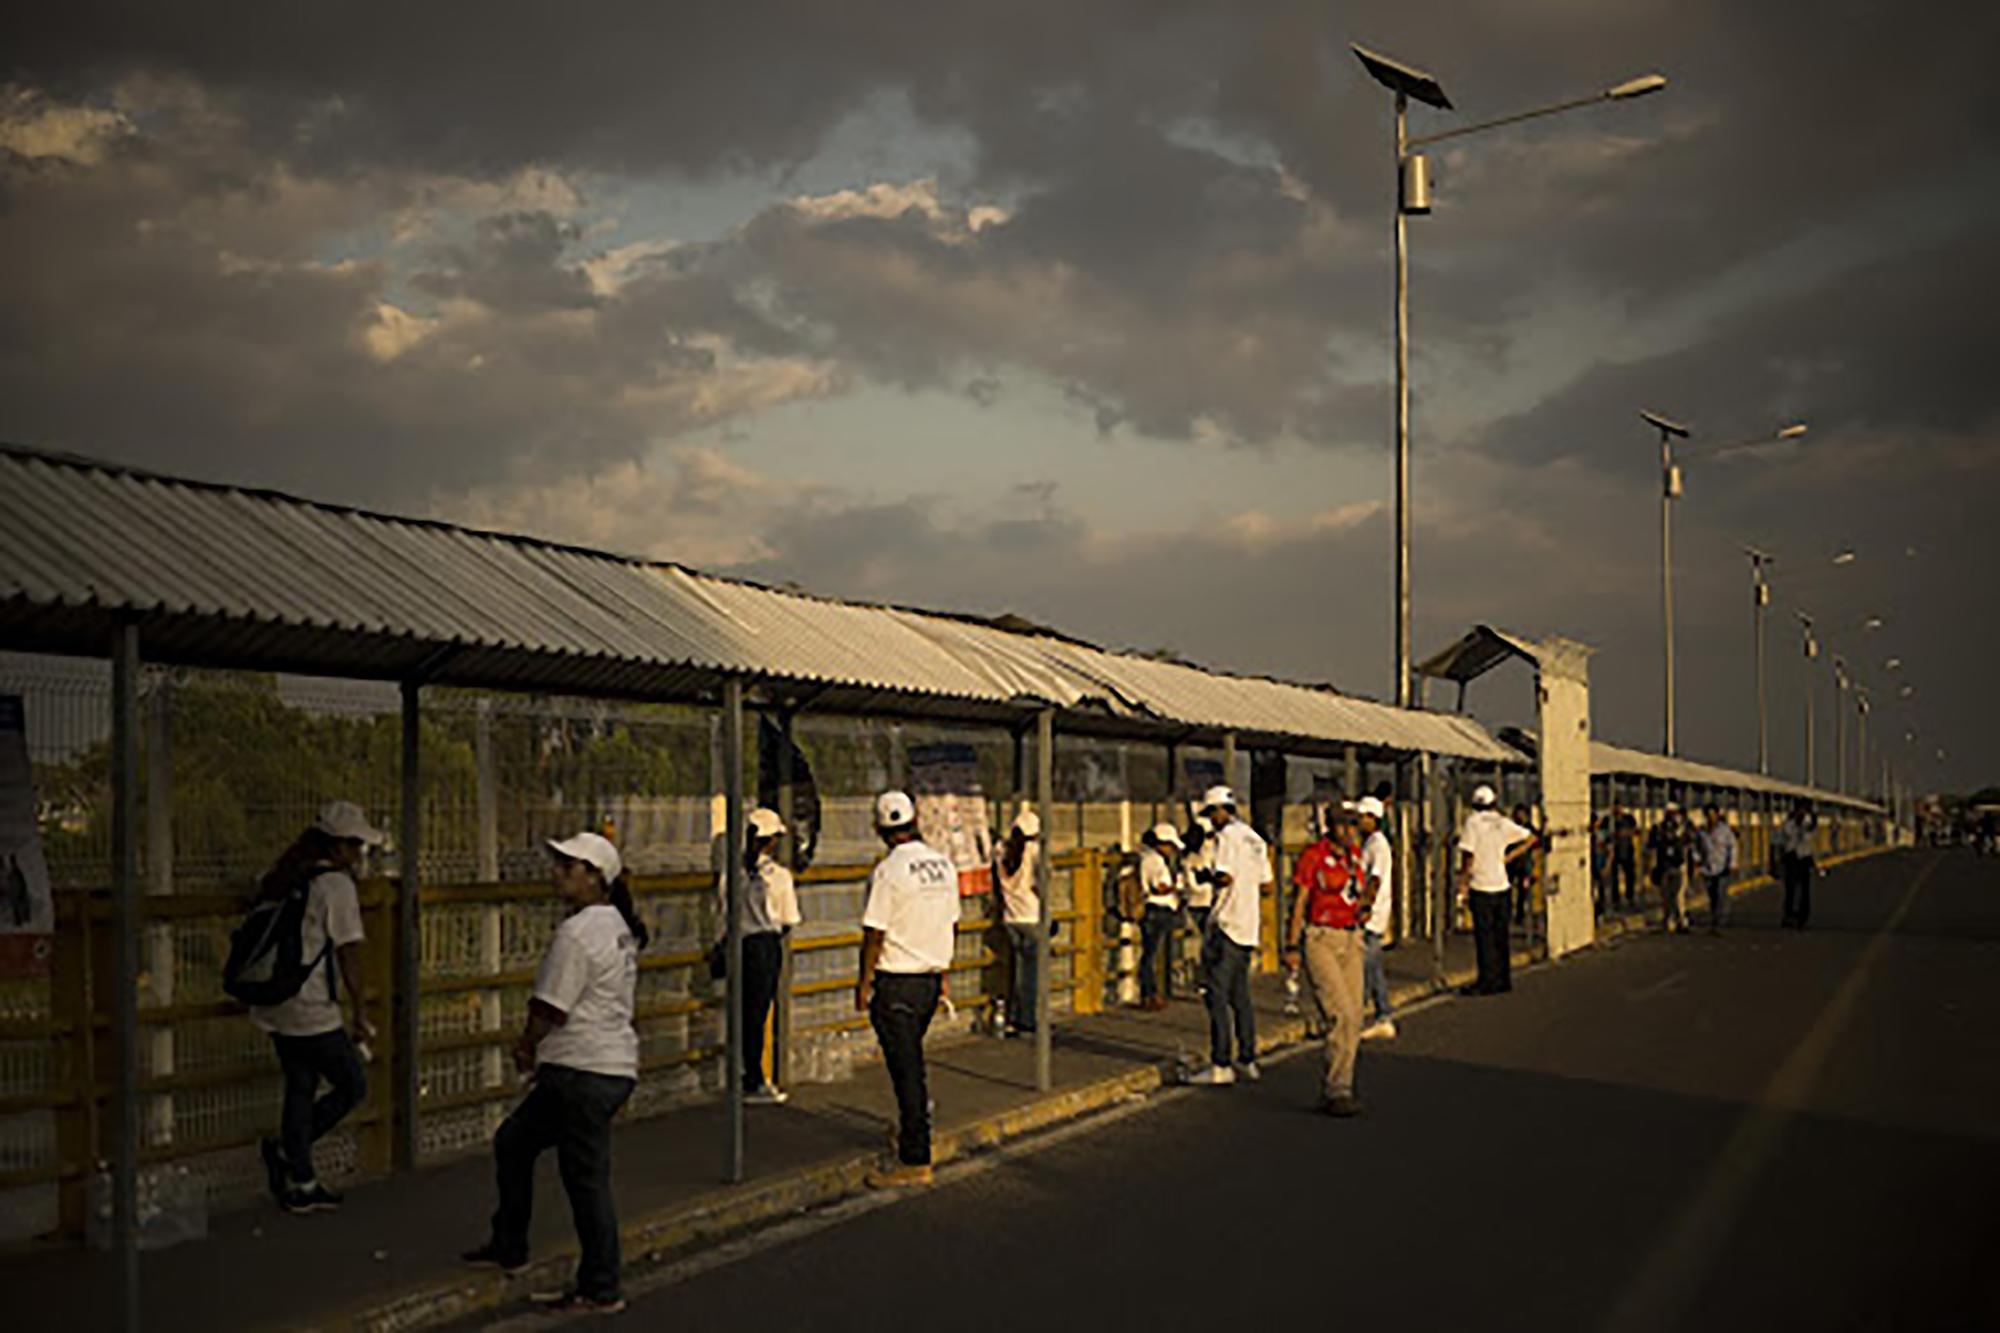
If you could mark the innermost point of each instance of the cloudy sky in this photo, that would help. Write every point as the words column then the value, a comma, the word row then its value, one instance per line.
column 1078, row 311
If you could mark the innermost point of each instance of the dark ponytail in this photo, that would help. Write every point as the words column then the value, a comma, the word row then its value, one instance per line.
column 620, row 894
column 311, row 851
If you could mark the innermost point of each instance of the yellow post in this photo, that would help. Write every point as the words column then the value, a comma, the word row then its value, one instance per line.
column 1087, row 964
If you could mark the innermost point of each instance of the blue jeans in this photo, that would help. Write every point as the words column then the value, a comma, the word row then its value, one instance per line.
column 305, row 1061
column 1226, row 968
column 1021, row 958
column 569, row 1110
column 1374, row 980
column 1156, row 930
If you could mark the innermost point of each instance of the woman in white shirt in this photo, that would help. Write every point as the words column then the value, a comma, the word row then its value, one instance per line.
column 770, row 908
column 583, row 1054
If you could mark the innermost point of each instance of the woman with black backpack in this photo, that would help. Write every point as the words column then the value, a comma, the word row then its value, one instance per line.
column 310, row 897
column 582, row 1052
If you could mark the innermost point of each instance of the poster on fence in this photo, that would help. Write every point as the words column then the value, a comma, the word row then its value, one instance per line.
column 27, row 910
column 951, row 811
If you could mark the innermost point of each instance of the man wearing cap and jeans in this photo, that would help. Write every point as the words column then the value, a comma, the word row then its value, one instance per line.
column 1378, row 865
column 1487, row 842
column 908, row 939
column 1669, row 845
column 1241, row 867
column 1021, row 915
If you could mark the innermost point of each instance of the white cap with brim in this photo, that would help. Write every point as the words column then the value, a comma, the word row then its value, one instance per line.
column 1216, row 797
column 1484, row 796
column 766, row 823
column 1028, row 824
column 591, row 849
column 344, row 820
column 1370, row 805
column 895, row 809
column 1169, row 835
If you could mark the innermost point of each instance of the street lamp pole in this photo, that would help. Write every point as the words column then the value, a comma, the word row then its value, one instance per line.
column 1840, row 724
column 1809, row 647
column 1760, row 598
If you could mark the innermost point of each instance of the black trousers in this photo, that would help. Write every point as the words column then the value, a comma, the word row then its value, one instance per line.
column 307, row 1060
column 1624, row 888
column 763, row 960
column 900, row 1012
column 1798, row 890
column 1489, row 940
column 1156, row 933
column 569, row 1110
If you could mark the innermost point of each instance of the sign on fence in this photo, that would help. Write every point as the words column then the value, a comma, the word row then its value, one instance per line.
column 27, row 911
column 951, row 811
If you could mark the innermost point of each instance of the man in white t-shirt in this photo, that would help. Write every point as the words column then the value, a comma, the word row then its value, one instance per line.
column 1488, row 841
column 1241, row 867
column 1378, row 864
column 909, row 936
column 1015, row 865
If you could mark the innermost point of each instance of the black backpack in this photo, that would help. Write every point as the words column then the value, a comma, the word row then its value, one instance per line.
column 267, row 963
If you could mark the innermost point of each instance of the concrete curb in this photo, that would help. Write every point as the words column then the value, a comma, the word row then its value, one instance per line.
column 746, row 1207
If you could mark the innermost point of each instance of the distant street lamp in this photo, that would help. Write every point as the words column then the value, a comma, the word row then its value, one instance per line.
column 1670, row 490
column 1841, row 683
column 1414, row 198
column 1809, row 647
column 1760, row 598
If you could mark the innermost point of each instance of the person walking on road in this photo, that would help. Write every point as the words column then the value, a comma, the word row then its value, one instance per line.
column 1021, row 911
column 1333, row 902
column 1241, row 869
column 770, row 909
column 1668, row 847
column 1521, row 870
column 1624, row 858
column 1798, row 861
column 307, row 1030
column 1487, row 842
column 1159, row 880
column 581, row 1053
column 1717, row 846
column 909, row 936
column 1378, row 865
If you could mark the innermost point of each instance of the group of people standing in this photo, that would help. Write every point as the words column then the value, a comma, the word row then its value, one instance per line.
column 1677, row 850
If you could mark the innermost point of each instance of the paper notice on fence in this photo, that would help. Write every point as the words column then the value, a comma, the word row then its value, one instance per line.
column 951, row 811
column 27, row 911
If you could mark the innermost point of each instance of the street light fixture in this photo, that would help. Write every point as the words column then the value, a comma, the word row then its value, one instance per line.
column 1413, row 198
column 1809, row 647
column 1670, row 490
column 1760, row 598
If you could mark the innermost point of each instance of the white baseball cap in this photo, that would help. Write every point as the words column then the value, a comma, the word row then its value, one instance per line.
column 1370, row 805
column 1673, row 807
column 591, row 849
column 1167, row 833
column 894, row 809
column 1216, row 796
column 766, row 823
column 1483, row 795
column 1029, row 824
column 344, row 820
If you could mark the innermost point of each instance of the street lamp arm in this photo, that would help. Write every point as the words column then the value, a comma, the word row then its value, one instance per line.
column 1758, row 442
column 1651, row 83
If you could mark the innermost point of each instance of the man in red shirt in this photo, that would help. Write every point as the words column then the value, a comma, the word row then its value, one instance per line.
column 1328, row 912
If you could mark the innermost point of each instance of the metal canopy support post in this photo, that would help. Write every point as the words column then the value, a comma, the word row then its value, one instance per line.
column 1229, row 760
column 732, row 858
column 781, row 1024
column 1045, row 783
column 409, row 932
column 125, row 962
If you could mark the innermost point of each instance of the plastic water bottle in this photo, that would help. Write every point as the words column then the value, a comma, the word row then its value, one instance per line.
column 999, row 1016
column 1291, row 990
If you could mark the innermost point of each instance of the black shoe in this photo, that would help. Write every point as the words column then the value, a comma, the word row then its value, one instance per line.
column 1502, row 989
column 1342, row 1108
column 490, row 1255
column 575, row 1302
column 311, row 1197
column 275, row 1175
column 1473, row 988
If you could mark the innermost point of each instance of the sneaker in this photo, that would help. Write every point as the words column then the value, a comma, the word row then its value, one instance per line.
column 276, row 1176
column 1215, row 1076
column 900, row 1176
column 575, row 1302
column 766, row 1095
column 1382, row 1029
column 1251, row 1072
column 1344, row 1107
column 311, row 1197
column 490, row 1255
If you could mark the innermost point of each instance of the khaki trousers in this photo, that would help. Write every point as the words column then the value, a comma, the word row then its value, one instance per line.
column 1334, row 965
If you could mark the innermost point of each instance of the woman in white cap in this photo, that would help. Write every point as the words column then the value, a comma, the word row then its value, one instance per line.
column 1021, row 915
column 306, row 1027
column 770, row 908
column 583, row 1053
column 1159, row 880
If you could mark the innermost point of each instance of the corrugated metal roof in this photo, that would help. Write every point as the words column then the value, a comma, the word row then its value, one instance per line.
column 1616, row 759
column 246, row 578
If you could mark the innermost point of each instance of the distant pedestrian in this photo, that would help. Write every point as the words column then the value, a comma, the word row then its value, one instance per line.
column 1521, row 870
column 1486, row 843
column 770, row 909
column 582, row 1053
column 1624, row 858
column 1198, row 886
column 1333, row 902
column 1159, row 880
column 1021, row 912
column 1798, row 861
column 1668, row 848
column 1717, row 845
column 1241, row 869
column 307, row 1030
column 1378, row 864
column 909, row 936
column 1600, row 863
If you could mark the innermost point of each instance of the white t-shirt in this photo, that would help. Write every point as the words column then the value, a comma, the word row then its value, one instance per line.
column 1017, row 891
column 1156, row 878
column 770, row 899
column 589, row 972
column 1379, row 861
column 913, row 901
column 332, row 916
column 1200, row 893
column 1487, row 835
column 1243, row 856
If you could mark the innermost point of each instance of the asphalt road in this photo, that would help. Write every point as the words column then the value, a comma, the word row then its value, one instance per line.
column 1764, row 1130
